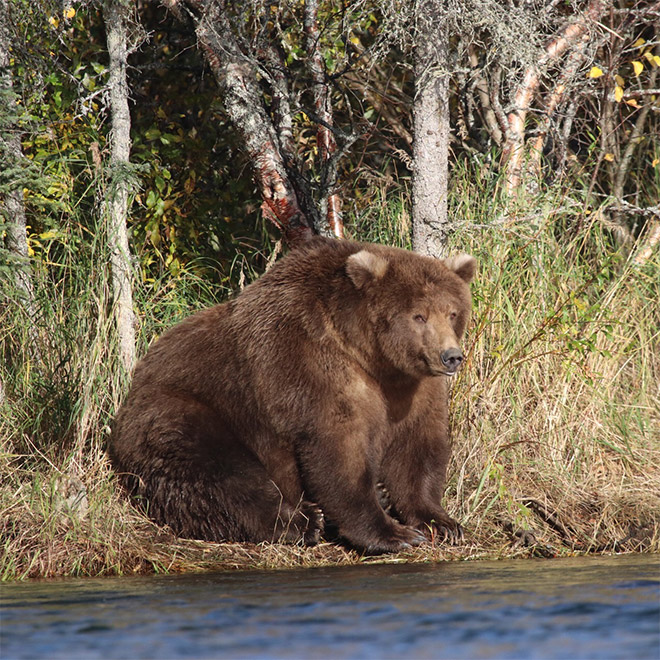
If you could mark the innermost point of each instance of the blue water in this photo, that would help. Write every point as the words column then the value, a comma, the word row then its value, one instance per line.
column 596, row 607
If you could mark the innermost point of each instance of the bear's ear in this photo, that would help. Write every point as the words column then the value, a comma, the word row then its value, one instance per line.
column 364, row 266
column 464, row 265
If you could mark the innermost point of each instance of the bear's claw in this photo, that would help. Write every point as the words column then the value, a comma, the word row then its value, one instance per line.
column 448, row 531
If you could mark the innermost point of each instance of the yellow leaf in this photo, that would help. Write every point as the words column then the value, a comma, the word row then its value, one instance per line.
column 638, row 67
column 619, row 80
column 54, row 21
column 47, row 235
column 649, row 56
column 632, row 102
column 69, row 13
column 595, row 72
column 609, row 157
column 656, row 59
column 655, row 162
column 639, row 43
column 618, row 93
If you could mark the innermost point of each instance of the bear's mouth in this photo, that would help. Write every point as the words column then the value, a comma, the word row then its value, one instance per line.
column 435, row 370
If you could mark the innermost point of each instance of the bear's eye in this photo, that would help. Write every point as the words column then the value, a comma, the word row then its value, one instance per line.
column 419, row 318
column 452, row 316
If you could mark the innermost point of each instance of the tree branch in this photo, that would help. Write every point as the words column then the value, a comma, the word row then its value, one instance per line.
column 553, row 100
column 330, row 203
column 236, row 77
column 513, row 152
column 633, row 141
column 492, row 123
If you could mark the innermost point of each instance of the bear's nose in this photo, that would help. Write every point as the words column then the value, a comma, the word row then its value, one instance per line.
column 452, row 358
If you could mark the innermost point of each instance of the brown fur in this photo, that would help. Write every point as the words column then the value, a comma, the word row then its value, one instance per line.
column 255, row 419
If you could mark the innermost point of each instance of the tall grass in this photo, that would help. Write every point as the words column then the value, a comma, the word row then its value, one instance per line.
column 60, row 510
column 555, row 416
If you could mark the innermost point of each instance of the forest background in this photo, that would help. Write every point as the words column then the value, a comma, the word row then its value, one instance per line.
column 157, row 157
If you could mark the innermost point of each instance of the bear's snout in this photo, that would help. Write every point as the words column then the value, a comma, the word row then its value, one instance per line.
column 442, row 362
column 452, row 359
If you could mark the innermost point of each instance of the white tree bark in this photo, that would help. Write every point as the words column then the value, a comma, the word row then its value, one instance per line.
column 116, row 197
column 571, row 37
column 430, row 225
column 243, row 102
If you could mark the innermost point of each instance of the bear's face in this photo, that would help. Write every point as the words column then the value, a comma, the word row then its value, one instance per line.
column 421, row 339
column 418, row 309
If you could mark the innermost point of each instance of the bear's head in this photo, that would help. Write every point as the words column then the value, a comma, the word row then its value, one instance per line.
column 418, row 307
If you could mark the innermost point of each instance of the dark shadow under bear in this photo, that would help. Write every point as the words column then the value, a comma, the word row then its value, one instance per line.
column 257, row 418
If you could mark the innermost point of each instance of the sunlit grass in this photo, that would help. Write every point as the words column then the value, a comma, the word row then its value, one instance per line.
column 559, row 401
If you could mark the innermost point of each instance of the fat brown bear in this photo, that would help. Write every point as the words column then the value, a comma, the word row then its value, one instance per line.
column 318, row 388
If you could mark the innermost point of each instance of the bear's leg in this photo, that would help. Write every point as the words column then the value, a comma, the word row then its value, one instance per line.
column 413, row 475
column 201, row 480
column 338, row 475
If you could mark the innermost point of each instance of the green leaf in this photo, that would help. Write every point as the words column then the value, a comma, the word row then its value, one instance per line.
column 152, row 133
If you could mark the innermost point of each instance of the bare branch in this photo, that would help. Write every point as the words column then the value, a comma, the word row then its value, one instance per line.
column 330, row 202
column 383, row 104
column 554, row 99
column 484, row 94
column 650, row 243
column 568, row 38
column 281, row 103
column 633, row 141
column 500, row 115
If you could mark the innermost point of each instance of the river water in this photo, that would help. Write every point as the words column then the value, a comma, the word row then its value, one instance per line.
column 595, row 607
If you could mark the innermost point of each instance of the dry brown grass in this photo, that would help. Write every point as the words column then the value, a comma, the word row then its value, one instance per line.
column 557, row 416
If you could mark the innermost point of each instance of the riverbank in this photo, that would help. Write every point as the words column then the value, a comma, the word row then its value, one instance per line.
column 78, row 523
column 555, row 415
column 73, row 531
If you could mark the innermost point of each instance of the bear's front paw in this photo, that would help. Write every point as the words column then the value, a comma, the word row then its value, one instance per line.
column 446, row 530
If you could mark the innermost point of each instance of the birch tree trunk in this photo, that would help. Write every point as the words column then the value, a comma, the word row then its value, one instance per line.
column 11, row 159
column 243, row 102
column 115, row 14
column 430, row 224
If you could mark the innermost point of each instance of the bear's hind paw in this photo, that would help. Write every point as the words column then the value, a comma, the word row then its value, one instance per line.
column 315, row 522
column 400, row 539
